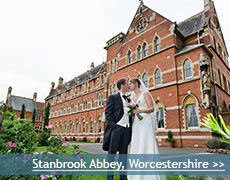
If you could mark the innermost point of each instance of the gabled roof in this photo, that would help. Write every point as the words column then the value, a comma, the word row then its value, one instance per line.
column 16, row 102
column 93, row 73
column 192, row 24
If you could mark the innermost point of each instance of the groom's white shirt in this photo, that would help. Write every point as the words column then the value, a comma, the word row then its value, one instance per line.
column 124, row 121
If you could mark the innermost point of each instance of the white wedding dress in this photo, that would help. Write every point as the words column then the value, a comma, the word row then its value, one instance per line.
column 143, row 139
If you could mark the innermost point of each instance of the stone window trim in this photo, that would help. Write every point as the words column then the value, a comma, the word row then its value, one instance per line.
column 190, row 99
column 157, row 76
column 191, row 67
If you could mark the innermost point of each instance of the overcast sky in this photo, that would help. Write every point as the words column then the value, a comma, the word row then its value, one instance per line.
column 44, row 39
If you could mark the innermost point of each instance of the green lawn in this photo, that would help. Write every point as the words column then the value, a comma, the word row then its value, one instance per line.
column 68, row 150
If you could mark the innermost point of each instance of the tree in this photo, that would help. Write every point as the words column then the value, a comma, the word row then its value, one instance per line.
column 34, row 116
column 22, row 114
column 46, row 117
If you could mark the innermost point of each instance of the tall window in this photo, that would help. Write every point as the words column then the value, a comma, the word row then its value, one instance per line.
column 56, row 129
column 157, row 77
column 145, row 80
column 102, row 79
column 83, row 127
column 187, row 69
column 139, row 77
column 129, row 57
column 70, row 128
column 139, row 52
column 145, row 50
column 92, row 102
column 91, row 126
column 76, row 127
column 65, row 129
column 160, row 118
column 60, row 128
column 110, row 90
column 99, row 99
column 191, row 115
column 156, row 44
column 219, row 77
column 99, row 126
column 225, row 83
column 102, row 100
column 114, row 89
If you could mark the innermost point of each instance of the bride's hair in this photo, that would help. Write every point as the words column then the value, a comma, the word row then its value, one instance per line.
column 135, row 80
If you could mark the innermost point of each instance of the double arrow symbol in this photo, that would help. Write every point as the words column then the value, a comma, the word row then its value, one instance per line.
column 216, row 164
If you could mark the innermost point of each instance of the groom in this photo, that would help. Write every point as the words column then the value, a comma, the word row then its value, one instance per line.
column 117, row 134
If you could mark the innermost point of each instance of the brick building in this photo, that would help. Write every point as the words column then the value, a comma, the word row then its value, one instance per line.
column 30, row 104
column 185, row 66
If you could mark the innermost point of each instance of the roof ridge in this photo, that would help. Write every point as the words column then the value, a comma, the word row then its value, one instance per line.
column 190, row 17
column 22, row 97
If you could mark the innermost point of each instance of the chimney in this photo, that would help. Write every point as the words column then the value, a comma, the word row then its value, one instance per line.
column 9, row 91
column 35, row 96
column 92, row 66
column 8, row 95
column 52, row 87
column 60, row 81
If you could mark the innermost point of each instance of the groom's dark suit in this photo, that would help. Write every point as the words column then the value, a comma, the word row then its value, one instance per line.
column 113, row 113
column 116, row 137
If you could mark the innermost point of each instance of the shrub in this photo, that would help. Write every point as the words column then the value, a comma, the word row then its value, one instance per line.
column 55, row 145
column 19, row 136
column 170, row 137
column 215, row 143
column 74, row 139
column 43, row 136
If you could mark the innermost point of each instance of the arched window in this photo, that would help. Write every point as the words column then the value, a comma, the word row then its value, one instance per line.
column 187, row 69
column 99, row 125
column 145, row 50
column 191, row 112
column 158, row 77
column 114, row 89
column 139, row 52
column 99, row 100
column 70, row 128
column 129, row 58
column 145, row 80
column 225, row 83
column 219, row 77
column 91, row 125
column 156, row 44
column 139, row 77
column 92, row 103
column 110, row 90
column 76, row 127
column 160, row 115
column 83, row 126
column 102, row 100
column 65, row 128
column 102, row 79
column 60, row 128
column 56, row 129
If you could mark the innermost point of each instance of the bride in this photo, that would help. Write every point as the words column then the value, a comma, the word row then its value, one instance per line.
column 143, row 139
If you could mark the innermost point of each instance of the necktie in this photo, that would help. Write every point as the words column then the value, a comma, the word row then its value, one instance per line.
column 124, row 96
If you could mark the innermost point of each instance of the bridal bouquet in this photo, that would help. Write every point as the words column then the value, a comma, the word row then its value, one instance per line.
column 131, row 107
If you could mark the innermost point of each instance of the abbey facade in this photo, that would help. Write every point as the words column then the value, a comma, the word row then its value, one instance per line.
column 185, row 67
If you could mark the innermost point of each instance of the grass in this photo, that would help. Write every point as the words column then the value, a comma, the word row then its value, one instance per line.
column 80, row 142
column 68, row 150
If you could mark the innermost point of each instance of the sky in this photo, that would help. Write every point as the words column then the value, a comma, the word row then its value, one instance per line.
column 41, row 40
